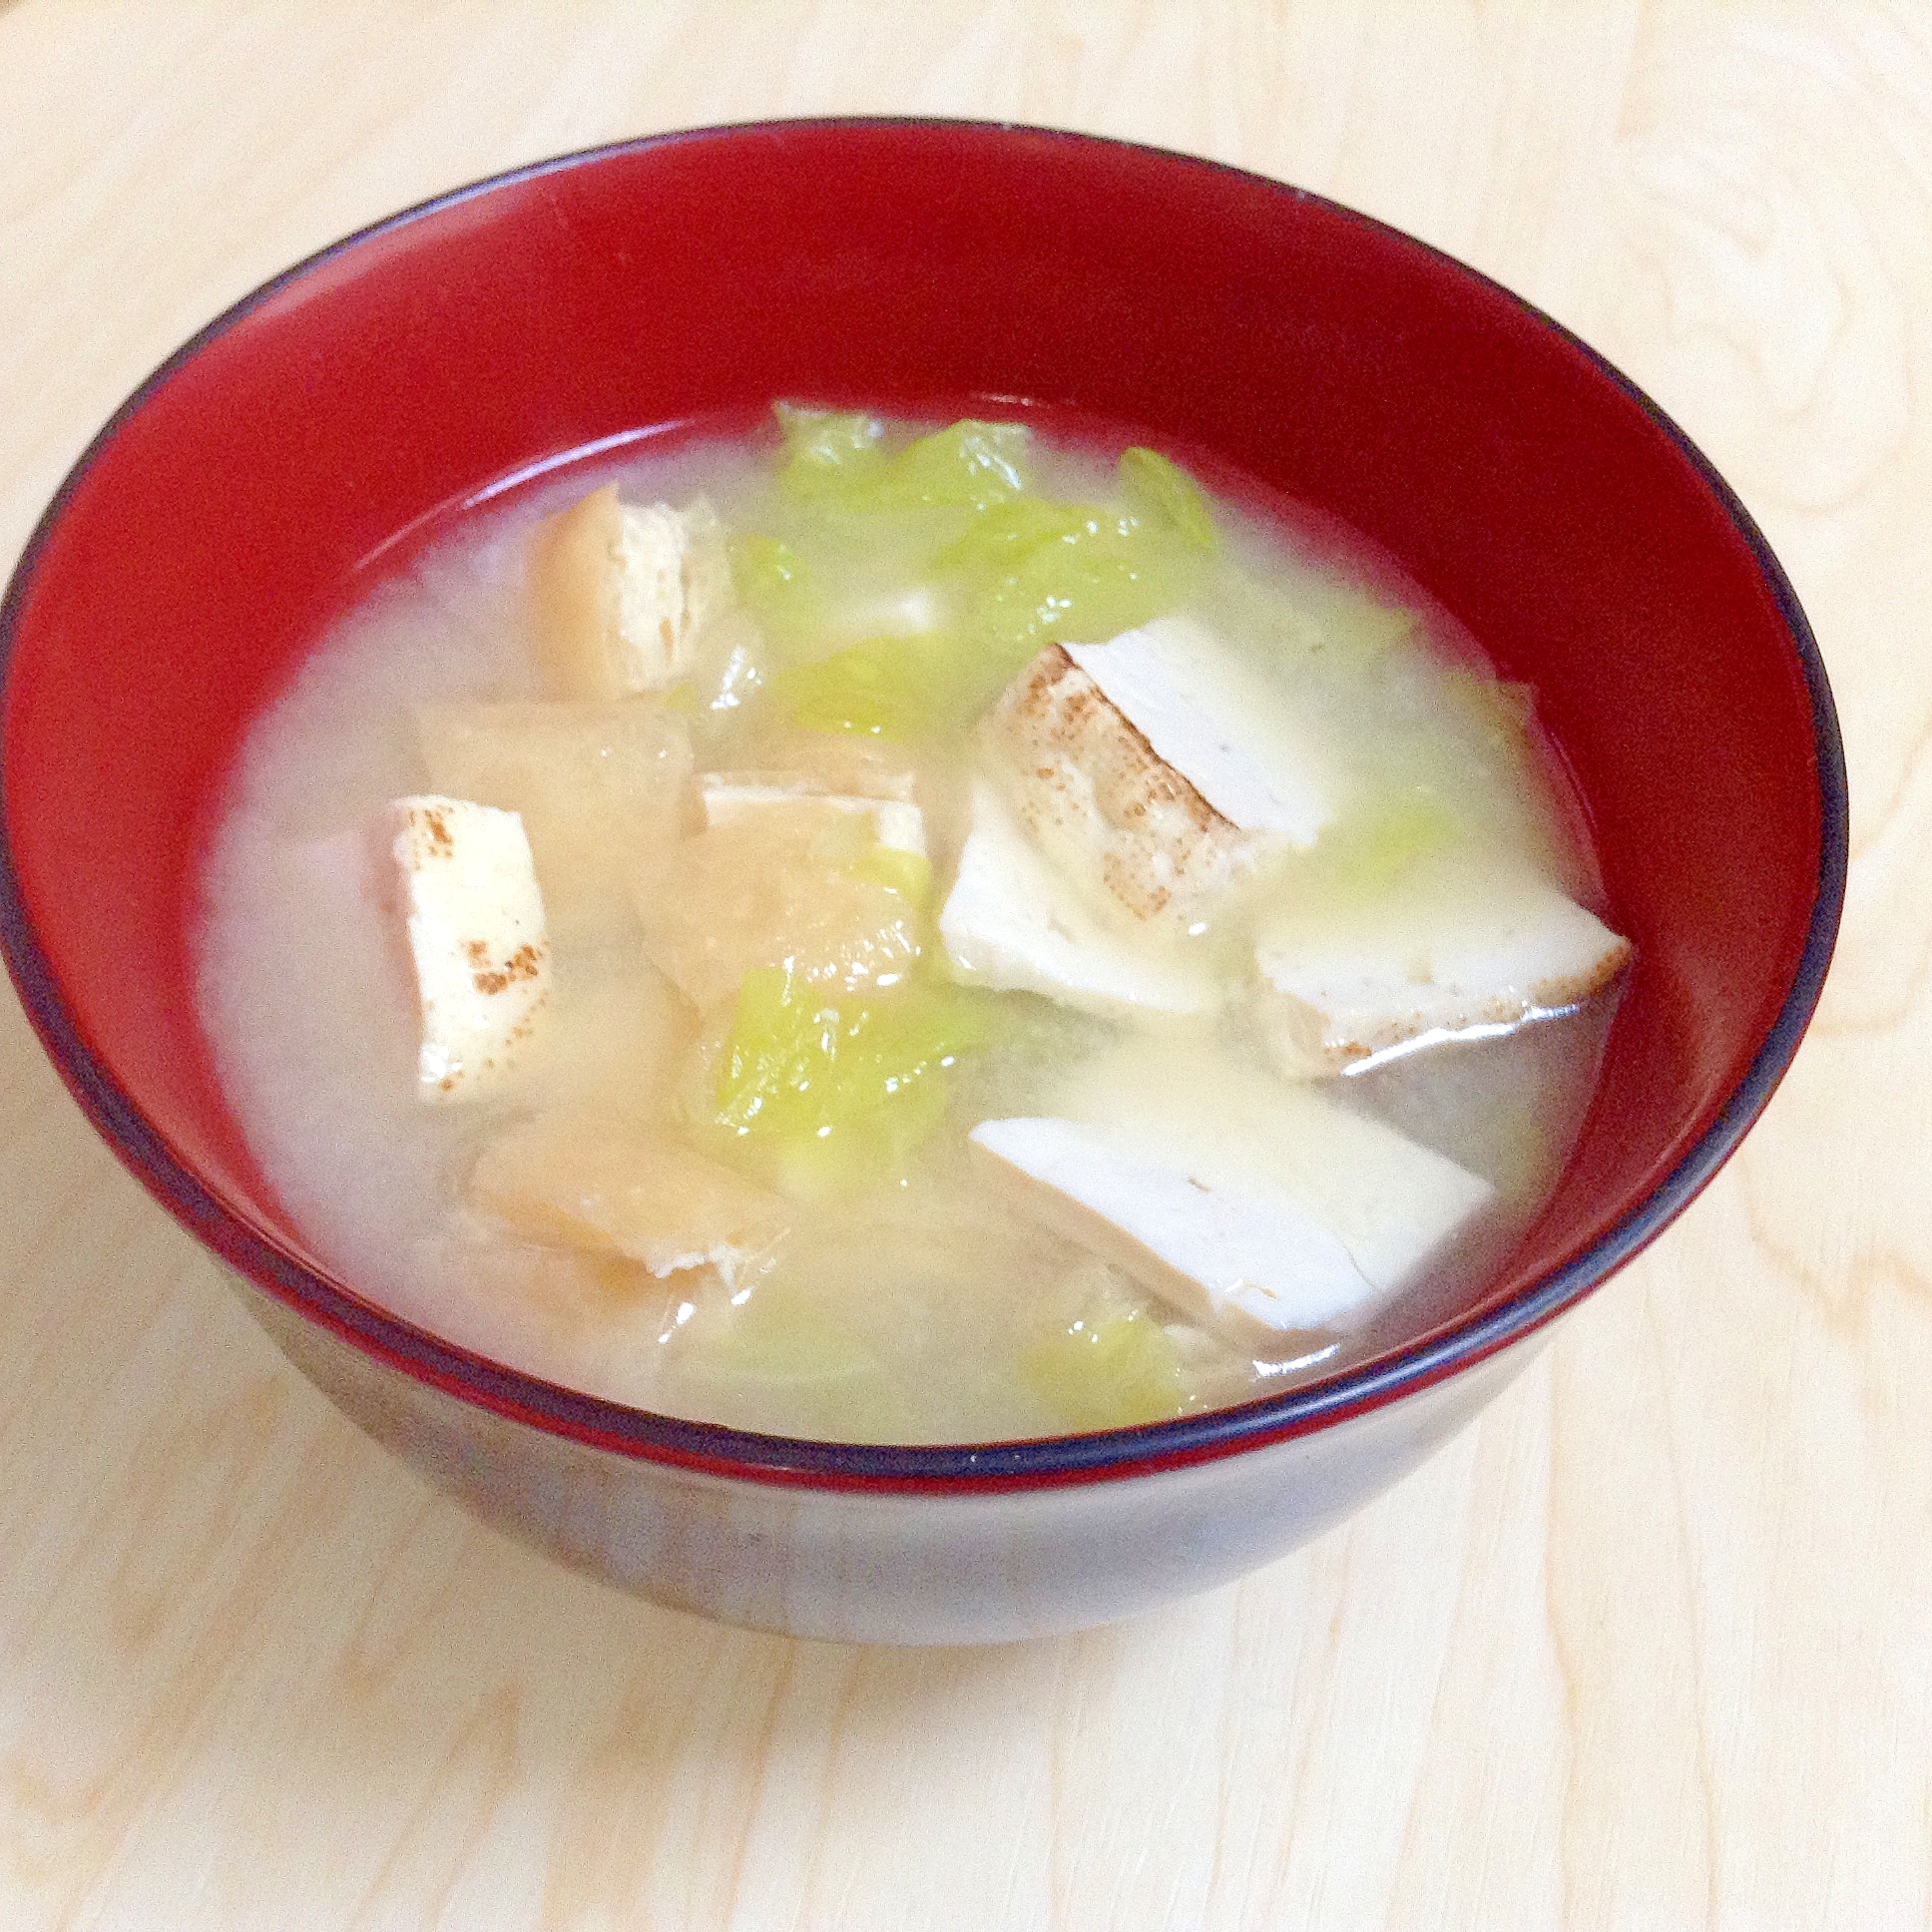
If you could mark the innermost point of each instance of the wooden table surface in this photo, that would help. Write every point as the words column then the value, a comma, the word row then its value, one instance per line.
column 1648, row 1646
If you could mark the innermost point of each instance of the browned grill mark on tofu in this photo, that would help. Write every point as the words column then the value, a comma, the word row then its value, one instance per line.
column 523, row 964
column 1159, row 843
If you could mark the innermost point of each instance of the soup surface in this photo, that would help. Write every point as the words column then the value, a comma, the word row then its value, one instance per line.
column 1007, row 945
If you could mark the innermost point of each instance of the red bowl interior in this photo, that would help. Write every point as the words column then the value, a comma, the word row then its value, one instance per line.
column 257, row 481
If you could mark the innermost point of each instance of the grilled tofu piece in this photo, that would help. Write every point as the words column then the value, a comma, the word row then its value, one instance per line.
column 1467, row 950
column 1154, row 765
column 1257, row 1207
column 1013, row 923
column 474, row 919
column 1239, row 1257
column 1231, row 733
column 1086, row 786
column 620, row 594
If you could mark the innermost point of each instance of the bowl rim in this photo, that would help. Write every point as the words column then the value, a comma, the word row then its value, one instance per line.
column 1033, row 1463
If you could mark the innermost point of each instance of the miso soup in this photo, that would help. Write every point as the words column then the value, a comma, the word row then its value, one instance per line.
column 901, row 933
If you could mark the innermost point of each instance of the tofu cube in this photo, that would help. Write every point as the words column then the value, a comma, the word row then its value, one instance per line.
column 1013, row 923
column 1247, row 1261
column 1158, row 765
column 1087, row 787
column 474, row 920
column 1471, row 947
column 1229, row 731
column 1257, row 1207
column 620, row 594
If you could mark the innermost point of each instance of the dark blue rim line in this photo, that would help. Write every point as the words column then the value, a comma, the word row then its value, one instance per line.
column 781, row 1458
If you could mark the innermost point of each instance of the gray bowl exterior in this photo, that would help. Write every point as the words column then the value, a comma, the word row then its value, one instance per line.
column 873, row 1566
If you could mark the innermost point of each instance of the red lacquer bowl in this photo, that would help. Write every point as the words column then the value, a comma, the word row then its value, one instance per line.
column 303, row 443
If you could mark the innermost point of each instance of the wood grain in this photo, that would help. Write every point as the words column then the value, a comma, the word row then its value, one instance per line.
column 1650, row 1645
